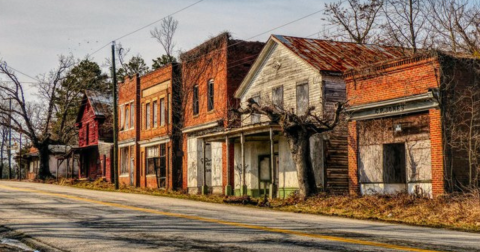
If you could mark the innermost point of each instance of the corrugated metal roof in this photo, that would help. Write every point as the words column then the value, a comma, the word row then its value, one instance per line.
column 101, row 104
column 327, row 55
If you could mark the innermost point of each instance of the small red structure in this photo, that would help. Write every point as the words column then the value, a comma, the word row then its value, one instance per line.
column 95, row 134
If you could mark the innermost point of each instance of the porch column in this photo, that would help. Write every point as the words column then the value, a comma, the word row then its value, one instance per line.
column 273, row 186
column 228, row 188
column 204, row 184
column 243, row 189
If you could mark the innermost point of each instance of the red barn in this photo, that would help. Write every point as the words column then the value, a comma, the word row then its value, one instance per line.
column 95, row 134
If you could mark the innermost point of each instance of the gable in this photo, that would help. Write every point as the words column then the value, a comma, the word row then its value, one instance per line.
column 282, row 69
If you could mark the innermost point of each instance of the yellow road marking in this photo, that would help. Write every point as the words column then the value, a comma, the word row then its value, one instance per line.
column 229, row 223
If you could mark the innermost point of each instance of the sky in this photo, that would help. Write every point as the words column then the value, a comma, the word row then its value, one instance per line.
column 33, row 33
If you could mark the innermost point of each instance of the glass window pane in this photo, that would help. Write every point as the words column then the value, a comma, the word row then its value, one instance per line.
column 155, row 113
column 162, row 112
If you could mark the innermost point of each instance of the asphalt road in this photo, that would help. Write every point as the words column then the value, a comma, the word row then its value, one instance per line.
column 70, row 219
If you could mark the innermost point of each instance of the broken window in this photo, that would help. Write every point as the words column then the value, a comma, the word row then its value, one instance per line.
column 162, row 112
column 302, row 98
column 394, row 163
column 256, row 117
column 210, row 95
column 277, row 96
column 195, row 100
column 152, row 156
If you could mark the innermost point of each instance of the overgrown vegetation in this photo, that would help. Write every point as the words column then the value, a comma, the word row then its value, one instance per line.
column 453, row 211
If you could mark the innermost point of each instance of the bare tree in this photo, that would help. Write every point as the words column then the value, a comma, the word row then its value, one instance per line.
column 357, row 22
column 3, row 139
column 405, row 23
column 33, row 120
column 455, row 24
column 298, row 129
column 164, row 34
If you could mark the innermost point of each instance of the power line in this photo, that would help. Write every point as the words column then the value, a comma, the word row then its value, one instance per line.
column 145, row 26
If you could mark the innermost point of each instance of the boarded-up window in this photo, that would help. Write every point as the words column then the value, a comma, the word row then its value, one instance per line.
column 195, row 100
column 210, row 95
column 162, row 112
column 124, row 159
column 394, row 163
column 277, row 96
column 132, row 115
column 155, row 114
column 147, row 116
column 302, row 98
column 256, row 117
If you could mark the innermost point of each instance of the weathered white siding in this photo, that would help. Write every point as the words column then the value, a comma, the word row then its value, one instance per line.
column 284, row 68
column 213, row 165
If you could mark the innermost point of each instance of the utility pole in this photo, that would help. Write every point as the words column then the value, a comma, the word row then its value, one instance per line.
column 115, row 119
column 10, row 140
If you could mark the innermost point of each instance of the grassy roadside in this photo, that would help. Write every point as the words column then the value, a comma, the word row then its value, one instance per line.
column 457, row 212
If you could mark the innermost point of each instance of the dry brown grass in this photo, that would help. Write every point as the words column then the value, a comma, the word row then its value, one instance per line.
column 459, row 212
column 105, row 186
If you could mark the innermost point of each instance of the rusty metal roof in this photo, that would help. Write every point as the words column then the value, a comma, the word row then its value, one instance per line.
column 101, row 104
column 327, row 55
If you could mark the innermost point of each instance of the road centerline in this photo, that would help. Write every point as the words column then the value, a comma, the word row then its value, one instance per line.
column 218, row 221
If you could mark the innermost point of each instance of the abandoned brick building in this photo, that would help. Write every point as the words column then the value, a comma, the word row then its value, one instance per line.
column 211, row 72
column 293, row 74
column 95, row 136
column 149, row 134
column 410, row 125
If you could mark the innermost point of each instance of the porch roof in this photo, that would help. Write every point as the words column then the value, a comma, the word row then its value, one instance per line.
column 236, row 132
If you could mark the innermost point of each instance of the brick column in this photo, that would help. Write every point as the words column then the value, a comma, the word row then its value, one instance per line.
column 353, row 184
column 438, row 179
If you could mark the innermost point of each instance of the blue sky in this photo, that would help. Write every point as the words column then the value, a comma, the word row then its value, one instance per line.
column 34, row 32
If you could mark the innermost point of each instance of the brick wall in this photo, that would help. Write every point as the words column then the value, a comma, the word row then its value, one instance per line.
column 353, row 185
column 399, row 79
column 438, row 181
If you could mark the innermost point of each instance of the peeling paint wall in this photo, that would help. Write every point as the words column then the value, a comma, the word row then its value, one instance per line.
column 286, row 173
column 374, row 134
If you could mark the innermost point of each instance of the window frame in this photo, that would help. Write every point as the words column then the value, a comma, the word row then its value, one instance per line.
column 155, row 113
column 300, row 84
column 254, row 117
column 162, row 111
column 195, row 101
column 282, row 96
column 147, row 115
column 127, row 117
column 210, row 95
column 132, row 115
